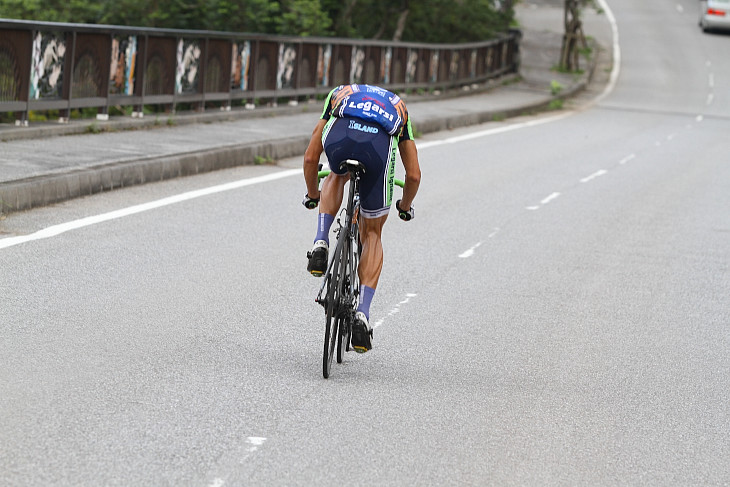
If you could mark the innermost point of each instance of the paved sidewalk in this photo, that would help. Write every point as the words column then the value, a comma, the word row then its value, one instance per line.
column 41, row 166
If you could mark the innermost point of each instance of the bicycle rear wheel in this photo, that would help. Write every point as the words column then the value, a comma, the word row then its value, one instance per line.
column 343, row 337
column 351, row 284
column 343, row 334
column 333, row 314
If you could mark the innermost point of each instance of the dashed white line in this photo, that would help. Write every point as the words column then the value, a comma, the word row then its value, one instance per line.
column 593, row 176
column 699, row 118
column 549, row 198
column 543, row 202
column 255, row 442
column 710, row 98
column 680, row 8
column 251, row 444
column 396, row 309
column 469, row 252
column 711, row 80
column 627, row 159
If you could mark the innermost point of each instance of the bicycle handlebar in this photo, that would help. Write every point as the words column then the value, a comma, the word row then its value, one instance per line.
column 325, row 173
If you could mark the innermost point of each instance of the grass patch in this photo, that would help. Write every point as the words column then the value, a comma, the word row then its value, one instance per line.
column 556, row 105
column 263, row 161
column 555, row 88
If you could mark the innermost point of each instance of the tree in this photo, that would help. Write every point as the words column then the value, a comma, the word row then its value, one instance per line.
column 304, row 18
column 78, row 11
column 434, row 21
column 574, row 38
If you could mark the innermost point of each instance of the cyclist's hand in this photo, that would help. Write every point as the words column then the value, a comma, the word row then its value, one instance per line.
column 310, row 203
column 406, row 216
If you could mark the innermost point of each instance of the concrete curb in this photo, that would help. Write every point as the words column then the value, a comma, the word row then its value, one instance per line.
column 54, row 188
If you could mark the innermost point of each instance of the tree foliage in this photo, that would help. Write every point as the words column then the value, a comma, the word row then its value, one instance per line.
column 439, row 21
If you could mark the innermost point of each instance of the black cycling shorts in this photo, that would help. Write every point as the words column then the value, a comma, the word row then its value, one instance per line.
column 367, row 142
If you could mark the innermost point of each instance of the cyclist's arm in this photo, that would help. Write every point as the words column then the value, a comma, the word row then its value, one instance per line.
column 314, row 149
column 311, row 160
column 409, row 156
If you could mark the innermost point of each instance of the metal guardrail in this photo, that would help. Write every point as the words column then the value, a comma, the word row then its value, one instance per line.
column 54, row 66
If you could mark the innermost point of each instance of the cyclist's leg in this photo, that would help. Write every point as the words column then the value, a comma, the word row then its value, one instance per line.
column 333, row 190
column 371, row 260
column 331, row 196
column 337, row 146
column 376, row 191
column 371, row 264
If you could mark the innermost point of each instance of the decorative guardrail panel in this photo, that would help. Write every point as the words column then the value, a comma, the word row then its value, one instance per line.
column 51, row 66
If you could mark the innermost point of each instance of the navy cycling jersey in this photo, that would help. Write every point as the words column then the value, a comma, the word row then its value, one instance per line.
column 371, row 104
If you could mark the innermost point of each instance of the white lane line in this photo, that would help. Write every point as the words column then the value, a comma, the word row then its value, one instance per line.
column 710, row 98
column 55, row 230
column 549, row 198
column 711, row 80
column 468, row 253
column 627, row 159
column 699, row 118
column 593, row 176
column 252, row 444
column 680, row 8
column 545, row 201
column 615, row 71
column 671, row 136
column 395, row 310
column 492, row 131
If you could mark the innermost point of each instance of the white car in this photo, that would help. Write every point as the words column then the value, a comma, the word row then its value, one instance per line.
column 715, row 14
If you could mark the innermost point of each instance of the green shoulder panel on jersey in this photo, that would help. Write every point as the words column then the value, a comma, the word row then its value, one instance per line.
column 409, row 128
column 406, row 133
column 327, row 107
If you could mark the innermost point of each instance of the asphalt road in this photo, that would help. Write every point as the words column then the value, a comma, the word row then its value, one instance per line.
column 556, row 314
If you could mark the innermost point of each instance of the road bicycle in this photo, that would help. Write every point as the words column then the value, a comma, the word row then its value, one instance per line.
column 341, row 287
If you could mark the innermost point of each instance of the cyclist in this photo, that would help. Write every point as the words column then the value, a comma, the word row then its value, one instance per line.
column 365, row 123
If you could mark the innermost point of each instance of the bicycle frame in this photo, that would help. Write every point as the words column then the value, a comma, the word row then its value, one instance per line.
column 347, row 233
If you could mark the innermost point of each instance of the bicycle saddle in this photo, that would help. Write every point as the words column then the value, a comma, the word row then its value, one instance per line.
column 353, row 166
